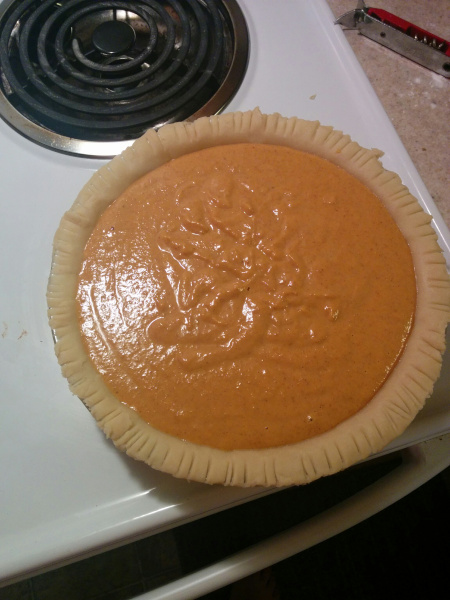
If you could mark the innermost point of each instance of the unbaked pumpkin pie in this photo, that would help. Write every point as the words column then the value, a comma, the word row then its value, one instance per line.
column 249, row 300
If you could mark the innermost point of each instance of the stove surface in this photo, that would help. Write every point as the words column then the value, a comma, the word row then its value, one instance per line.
column 65, row 491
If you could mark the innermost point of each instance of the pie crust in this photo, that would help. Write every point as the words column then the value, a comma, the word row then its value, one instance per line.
column 384, row 418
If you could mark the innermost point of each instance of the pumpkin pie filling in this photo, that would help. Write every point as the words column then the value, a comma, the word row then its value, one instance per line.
column 246, row 296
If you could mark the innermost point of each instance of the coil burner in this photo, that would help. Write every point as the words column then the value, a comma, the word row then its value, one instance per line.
column 87, row 77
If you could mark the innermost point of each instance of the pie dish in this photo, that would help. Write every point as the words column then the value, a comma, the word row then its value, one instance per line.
column 84, row 353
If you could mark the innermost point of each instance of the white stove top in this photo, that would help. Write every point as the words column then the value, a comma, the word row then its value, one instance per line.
column 64, row 490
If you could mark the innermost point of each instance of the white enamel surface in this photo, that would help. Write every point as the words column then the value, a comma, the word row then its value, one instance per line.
column 64, row 490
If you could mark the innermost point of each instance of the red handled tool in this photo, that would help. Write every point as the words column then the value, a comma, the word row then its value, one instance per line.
column 399, row 35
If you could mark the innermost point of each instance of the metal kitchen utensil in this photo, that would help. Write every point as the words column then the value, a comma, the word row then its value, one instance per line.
column 399, row 35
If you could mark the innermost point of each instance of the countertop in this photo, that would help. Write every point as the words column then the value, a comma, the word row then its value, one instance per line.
column 416, row 99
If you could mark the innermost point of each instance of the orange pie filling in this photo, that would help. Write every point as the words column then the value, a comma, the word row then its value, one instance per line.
column 246, row 296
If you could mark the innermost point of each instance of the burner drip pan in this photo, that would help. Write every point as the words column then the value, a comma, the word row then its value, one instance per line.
column 87, row 78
